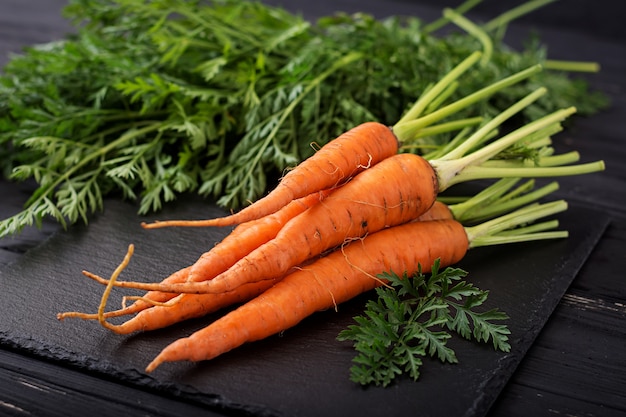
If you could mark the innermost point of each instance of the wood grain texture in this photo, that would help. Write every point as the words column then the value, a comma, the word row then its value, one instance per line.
column 577, row 365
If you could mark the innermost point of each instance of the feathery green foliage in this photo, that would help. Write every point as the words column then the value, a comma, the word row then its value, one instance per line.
column 151, row 99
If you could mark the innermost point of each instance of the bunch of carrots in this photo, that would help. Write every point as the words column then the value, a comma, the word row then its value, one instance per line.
column 360, row 206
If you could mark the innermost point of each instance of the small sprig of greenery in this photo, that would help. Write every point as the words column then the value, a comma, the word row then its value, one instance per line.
column 412, row 318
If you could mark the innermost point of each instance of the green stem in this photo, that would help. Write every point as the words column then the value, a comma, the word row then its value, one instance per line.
column 452, row 171
column 473, row 30
column 455, row 142
column 507, row 204
column 477, row 172
column 533, row 228
column 419, row 106
column 447, row 127
column 571, row 66
column 442, row 21
column 546, row 161
column 515, row 13
column 408, row 128
column 490, row 193
column 501, row 240
column 485, row 233
column 477, row 137
column 445, row 94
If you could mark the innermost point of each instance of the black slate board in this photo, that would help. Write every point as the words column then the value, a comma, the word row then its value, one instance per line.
column 303, row 371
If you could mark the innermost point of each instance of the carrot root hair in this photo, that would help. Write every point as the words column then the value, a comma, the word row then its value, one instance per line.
column 101, row 315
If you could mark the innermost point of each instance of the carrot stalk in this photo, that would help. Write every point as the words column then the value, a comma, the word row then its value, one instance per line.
column 473, row 30
column 494, row 200
column 406, row 128
column 432, row 93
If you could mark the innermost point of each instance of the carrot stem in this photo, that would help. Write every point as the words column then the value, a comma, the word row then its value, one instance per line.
column 533, row 228
column 485, row 196
column 543, row 161
column 501, row 240
column 419, row 106
column 473, row 140
column 512, row 14
column 507, row 203
column 452, row 171
column 499, row 198
column 571, row 66
column 474, row 30
column 487, row 233
column 409, row 125
column 442, row 21
column 447, row 127
column 478, row 172
column 445, row 94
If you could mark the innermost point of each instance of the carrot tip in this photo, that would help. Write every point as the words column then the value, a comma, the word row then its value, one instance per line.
column 154, row 364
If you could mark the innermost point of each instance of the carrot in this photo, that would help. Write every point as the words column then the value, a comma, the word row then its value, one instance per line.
column 335, row 163
column 496, row 199
column 346, row 273
column 249, row 236
column 241, row 241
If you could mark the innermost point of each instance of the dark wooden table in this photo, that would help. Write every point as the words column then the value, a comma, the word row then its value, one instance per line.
column 577, row 365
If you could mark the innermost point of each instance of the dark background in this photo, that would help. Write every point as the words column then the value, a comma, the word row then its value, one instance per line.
column 577, row 365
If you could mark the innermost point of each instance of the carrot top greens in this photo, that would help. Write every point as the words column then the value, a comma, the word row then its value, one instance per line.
column 148, row 100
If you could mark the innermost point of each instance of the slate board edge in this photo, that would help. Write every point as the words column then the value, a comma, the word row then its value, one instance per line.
column 485, row 402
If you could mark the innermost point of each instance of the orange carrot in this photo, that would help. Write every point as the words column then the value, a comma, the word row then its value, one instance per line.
column 329, row 281
column 342, row 275
column 438, row 211
column 335, row 163
column 497, row 197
